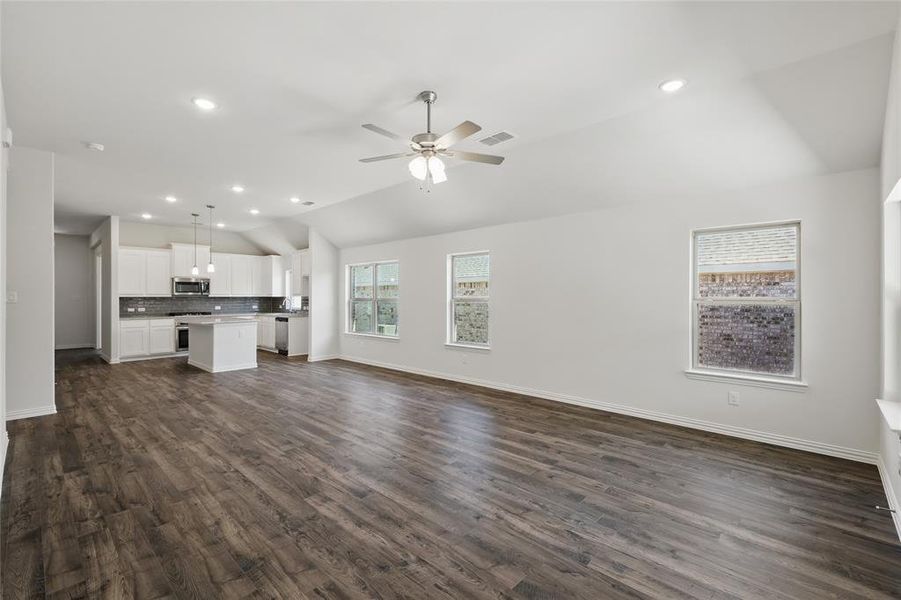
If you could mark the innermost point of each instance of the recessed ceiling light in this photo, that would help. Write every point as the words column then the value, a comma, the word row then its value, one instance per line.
column 237, row 188
column 308, row 203
column 93, row 146
column 203, row 103
column 171, row 199
column 220, row 225
column 146, row 216
column 254, row 211
column 672, row 85
column 295, row 199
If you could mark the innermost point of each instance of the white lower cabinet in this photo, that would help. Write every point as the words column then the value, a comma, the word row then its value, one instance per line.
column 134, row 338
column 266, row 333
column 146, row 337
column 162, row 336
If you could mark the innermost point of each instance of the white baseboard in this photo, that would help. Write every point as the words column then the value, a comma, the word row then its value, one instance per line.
column 107, row 358
column 730, row 430
column 334, row 356
column 88, row 345
column 4, row 444
column 210, row 369
column 890, row 495
column 27, row 413
column 152, row 357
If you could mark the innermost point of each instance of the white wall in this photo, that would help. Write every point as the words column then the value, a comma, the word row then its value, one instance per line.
column 4, row 166
column 106, row 238
column 148, row 235
column 323, row 298
column 29, row 334
column 890, row 447
column 73, row 291
column 594, row 308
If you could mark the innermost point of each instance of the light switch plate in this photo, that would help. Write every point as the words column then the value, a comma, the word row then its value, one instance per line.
column 130, row 309
column 141, row 309
column 12, row 297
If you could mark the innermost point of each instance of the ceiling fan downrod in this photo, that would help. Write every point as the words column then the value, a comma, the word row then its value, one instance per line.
column 429, row 97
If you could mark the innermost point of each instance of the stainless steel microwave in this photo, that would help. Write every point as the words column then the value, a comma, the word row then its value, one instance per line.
column 190, row 286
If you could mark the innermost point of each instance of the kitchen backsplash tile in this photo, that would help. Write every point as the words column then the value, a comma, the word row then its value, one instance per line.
column 163, row 306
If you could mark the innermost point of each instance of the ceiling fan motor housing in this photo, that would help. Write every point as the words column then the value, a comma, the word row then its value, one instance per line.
column 426, row 140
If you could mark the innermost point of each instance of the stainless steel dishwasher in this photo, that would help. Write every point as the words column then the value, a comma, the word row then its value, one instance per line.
column 281, row 335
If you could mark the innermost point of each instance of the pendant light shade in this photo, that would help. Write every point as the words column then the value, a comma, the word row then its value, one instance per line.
column 211, row 268
column 195, row 270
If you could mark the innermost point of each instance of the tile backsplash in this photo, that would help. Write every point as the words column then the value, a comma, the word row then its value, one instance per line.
column 163, row 306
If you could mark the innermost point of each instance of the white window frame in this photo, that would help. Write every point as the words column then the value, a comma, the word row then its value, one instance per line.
column 695, row 371
column 374, row 300
column 452, row 301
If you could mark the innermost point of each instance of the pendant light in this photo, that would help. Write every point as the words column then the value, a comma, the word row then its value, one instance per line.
column 194, row 269
column 211, row 268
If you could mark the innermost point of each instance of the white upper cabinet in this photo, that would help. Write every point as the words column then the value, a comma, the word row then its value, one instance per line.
column 183, row 260
column 301, row 264
column 144, row 272
column 159, row 273
column 241, row 274
column 220, row 280
column 132, row 272
column 269, row 276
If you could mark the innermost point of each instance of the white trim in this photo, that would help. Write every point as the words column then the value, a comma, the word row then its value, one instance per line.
column 27, row 413
column 467, row 346
column 4, row 445
column 729, row 430
column 151, row 357
column 323, row 357
column 890, row 495
column 107, row 358
column 380, row 336
column 86, row 346
column 791, row 385
column 210, row 369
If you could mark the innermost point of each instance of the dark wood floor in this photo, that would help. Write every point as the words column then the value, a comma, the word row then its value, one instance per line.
column 333, row 480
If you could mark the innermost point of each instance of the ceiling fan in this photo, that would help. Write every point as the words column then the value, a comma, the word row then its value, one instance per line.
column 428, row 147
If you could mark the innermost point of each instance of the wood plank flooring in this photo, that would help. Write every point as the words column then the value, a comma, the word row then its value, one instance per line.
column 334, row 480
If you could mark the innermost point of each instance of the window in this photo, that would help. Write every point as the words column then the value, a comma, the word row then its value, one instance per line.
column 372, row 309
column 468, row 310
column 746, row 307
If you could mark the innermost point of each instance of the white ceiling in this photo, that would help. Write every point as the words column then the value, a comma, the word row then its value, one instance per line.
column 775, row 90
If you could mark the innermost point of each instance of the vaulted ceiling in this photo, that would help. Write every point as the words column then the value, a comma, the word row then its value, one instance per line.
column 775, row 90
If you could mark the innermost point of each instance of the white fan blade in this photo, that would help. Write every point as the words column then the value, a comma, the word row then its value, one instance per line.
column 475, row 157
column 386, row 157
column 458, row 133
column 385, row 132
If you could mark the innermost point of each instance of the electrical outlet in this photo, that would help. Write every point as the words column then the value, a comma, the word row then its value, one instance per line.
column 217, row 308
column 12, row 297
column 141, row 309
column 734, row 399
column 255, row 307
column 130, row 309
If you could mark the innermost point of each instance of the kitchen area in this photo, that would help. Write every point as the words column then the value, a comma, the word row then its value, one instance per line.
column 217, row 309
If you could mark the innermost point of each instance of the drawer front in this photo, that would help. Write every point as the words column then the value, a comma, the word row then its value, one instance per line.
column 162, row 323
column 133, row 323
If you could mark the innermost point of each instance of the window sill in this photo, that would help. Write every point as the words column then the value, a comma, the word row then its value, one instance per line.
column 467, row 346
column 393, row 338
column 764, row 382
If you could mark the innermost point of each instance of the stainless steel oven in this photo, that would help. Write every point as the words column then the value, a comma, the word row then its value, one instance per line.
column 190, row 286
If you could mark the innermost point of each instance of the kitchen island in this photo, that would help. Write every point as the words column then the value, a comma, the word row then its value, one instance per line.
column 222, row 343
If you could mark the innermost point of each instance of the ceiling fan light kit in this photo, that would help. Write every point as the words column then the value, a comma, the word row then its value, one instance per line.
column 428, row 147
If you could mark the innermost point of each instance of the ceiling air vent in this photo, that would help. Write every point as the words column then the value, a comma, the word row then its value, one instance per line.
column 497, row 138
